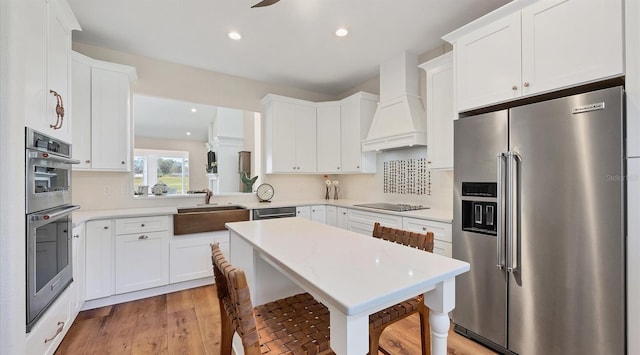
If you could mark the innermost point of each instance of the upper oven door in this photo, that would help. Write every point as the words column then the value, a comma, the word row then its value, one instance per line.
column 48, row 180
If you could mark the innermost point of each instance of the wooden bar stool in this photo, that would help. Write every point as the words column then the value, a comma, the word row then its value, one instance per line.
column 294, row 325
column 380, row 320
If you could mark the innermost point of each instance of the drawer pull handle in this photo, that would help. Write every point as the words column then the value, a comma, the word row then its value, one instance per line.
column 60, row 328
column 77, row 236
column 424, row 229
column 59, row 111
column 143, row 237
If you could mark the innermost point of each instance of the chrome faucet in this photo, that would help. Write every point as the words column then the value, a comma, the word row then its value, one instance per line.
column 207, row 196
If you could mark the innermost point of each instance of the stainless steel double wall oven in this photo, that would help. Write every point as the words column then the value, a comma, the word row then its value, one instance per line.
column 48, row 221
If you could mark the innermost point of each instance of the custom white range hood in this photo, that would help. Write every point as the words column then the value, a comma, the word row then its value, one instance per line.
column 400, row 120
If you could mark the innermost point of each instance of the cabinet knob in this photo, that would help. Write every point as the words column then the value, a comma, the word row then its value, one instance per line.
column 106, row 227
column 358, row 167
column 142, row 237
column 122, row 162
column 424, row 229
column 526, row 84
column 338, row 168
column 77, row 236
column 87, row 161
column 514, row 88
column 141, row 224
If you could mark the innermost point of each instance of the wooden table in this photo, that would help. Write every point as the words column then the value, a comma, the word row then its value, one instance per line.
column 352, row 274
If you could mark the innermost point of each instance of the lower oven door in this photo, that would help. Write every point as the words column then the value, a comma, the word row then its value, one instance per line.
column 49, row 269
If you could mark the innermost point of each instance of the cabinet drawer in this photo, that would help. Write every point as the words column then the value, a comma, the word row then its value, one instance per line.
column 442, row 248
column 441, row 231
column 362, row 222
column 48, row 332
column 141, row 225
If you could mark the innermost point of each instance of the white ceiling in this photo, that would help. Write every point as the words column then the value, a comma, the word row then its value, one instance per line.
column 291, row 43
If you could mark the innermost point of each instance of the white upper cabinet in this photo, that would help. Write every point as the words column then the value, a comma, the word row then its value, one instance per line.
column 102, row 111
column 488, row 63
column 518, row 50
column 48, row 77
column 290, row 135
column 356, row 115
column 440, row 111
column 328, row 133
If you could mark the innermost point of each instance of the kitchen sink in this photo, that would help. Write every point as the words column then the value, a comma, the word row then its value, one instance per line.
column 207, row 219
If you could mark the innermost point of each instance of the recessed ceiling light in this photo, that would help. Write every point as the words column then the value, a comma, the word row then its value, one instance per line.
column 194, row 110
column 188, row 133
column 235, row 35
column 341, row 32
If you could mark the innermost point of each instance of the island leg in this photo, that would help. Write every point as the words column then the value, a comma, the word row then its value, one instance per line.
column 441, row 300
column 349, row 334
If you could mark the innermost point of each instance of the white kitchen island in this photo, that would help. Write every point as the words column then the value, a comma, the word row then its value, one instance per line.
column 352, row 274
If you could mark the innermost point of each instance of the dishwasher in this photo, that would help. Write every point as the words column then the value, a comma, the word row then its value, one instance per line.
column 275, row 212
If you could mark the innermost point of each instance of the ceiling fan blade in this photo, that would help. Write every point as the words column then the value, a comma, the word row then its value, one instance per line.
column 265, row 3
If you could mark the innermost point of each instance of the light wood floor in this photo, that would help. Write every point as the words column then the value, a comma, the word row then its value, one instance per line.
column 188, row 322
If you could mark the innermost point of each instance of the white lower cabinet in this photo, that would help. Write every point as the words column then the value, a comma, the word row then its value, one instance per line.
column 303, row 211
column 190, row 255
column 332, row 215
column 441, row 233
column 342, row 218
column 79, row 264
column 99, row 256
column 142, row 261
column 319, row 213
column 47, row 334
column 362, row 222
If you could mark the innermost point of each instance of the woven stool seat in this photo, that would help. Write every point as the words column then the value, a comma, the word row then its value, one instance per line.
column 298, row 324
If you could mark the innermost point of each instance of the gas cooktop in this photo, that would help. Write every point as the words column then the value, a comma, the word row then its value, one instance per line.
column 397, row 207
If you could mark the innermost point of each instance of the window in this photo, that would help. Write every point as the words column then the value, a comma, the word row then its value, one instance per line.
column 168, row 166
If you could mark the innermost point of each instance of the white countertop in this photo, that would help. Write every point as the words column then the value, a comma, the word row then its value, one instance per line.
column 82, row 216
column 356, row 273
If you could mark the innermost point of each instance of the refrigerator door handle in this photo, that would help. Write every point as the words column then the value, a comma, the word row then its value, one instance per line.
column 499, row 225
column 513, row 193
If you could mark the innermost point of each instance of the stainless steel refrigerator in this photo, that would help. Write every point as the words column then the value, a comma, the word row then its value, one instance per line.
column 539, row 214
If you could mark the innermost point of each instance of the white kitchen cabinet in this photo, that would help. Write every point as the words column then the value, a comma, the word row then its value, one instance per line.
column 48, row 68
column 332, row 215
column 356, row 114
column 78, row 258
column 141, row 253
column 342, row 218
column 99, row 259
column 633, row 248
column 362, row 221
column 328, row 135
column 303, row 211
column 319, row 213
column 545, row 46
column 190, row 255
column 440, row 111
column 290, row 135
column 441, row 233
column 48, row 332
column 102, row 105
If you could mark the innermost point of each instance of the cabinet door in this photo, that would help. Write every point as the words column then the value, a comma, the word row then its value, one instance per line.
column 305, row 139
column 328, row 135
column 342, row 218
column 78, row 258
column 303, row 211
column 190, row 255
column 142, row 261
column 99, row 259
column 488, row 64
column 567, row 42
column 351, row 136
column 110, row 120
column 319, row 213
column 36, row 113
column 440, row 114
column 332, row 215
column 81, row 111
column 283, row 130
